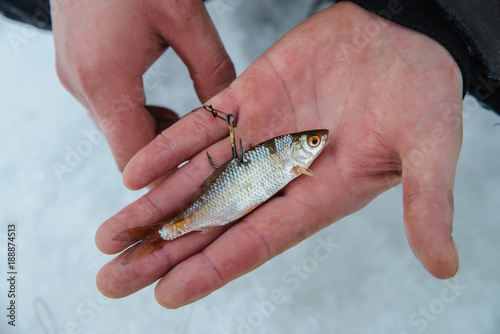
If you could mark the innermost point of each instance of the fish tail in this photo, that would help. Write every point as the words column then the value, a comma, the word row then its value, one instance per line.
column 148, row 237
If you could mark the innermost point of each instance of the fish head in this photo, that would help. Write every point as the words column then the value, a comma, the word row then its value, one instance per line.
column 307, row 145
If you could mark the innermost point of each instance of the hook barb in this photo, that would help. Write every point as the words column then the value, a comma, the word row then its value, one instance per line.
column 210, row 161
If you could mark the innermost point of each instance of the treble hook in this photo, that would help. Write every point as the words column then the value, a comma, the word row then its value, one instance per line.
column 230, row 119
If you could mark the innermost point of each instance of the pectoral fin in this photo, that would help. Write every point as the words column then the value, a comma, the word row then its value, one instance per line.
column 299, row 170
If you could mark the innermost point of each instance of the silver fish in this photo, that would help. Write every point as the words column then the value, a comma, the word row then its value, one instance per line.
column 235, row 189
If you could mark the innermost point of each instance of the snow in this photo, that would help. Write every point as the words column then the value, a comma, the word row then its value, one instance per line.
column 366, row 281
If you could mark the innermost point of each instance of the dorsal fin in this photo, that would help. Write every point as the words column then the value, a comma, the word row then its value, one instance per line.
column 214, row 175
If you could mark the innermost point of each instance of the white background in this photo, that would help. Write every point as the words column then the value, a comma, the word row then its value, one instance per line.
column 371, row 283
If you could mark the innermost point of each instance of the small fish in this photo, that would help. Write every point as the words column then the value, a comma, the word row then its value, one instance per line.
column 234, row 189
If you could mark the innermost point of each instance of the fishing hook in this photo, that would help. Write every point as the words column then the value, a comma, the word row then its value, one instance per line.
column 230, row 119
column 210, row 161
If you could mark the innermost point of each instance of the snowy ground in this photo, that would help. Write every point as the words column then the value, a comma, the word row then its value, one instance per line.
column 370, row 283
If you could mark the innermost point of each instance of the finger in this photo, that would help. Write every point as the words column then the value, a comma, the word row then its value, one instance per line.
column 196, row 41
column 428, row 180
column 271, row 229
column 164, row 117
column 106, row 76
column 279, row 225
column 116, row 280
column 179, row 190
column 162, row 202
column 117, row 100
column 114, row 93
column 187, row 137
column 127, row 134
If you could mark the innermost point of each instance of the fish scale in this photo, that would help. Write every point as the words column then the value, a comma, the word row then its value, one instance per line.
column 244, row 184
column 234, row 189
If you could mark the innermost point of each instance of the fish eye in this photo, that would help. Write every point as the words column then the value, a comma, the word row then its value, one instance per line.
column 314, row 141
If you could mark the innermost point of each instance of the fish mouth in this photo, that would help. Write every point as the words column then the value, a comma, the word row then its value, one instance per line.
column 325, row 136
column 327, row 139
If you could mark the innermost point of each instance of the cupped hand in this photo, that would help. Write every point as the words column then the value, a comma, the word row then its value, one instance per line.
column 104, row 47
column 391, row 99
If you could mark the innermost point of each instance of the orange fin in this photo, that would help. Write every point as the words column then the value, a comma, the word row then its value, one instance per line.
column 214, row 175
column 149, row 240
column 299, row 170
column 205, row 230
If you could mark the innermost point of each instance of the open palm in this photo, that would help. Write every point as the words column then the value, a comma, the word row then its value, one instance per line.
column 391, row 99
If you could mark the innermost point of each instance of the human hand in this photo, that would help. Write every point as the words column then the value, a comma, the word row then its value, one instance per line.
column 104, row 47
column 393, row 108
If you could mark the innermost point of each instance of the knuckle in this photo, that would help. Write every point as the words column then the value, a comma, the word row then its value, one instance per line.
column 168, row 144
column 217, row 279
column 87, row 73
column 410, row 196
column 263, row 247
column 200, row 126
column 182, row 11
column 185, row 9
column 192, row 172
column 223, row 71
column 80, row 72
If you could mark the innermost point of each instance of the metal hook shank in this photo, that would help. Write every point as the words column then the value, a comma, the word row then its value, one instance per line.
column 230, row 119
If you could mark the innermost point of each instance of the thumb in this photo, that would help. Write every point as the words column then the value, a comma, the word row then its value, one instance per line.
column 196, row 41
column 428, row 179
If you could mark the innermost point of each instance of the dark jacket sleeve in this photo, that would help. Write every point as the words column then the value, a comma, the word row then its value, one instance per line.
column 469, row 30
column 34, row 12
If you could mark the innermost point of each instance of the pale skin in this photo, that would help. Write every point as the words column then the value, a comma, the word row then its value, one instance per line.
column 392, row 102
column 104, row 47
